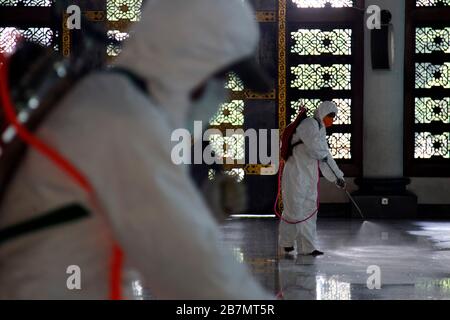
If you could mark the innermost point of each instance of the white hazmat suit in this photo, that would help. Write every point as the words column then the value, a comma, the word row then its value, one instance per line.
column 300, row 181
column 120, row 139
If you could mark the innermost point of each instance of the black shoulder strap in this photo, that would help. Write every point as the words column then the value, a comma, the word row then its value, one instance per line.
column 67, row 214
column 299, row 142
column 318, row 122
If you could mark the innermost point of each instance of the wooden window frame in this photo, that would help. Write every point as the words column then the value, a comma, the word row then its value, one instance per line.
column 416, row 17
column 349, row 17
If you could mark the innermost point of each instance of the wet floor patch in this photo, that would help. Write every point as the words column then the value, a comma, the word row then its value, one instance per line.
column 379, row 259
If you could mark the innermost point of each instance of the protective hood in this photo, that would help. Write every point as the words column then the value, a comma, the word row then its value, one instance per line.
column 179, row 44
column 324, row 109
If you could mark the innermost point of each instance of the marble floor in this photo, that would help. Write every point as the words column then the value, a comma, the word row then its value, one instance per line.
column 407, row 259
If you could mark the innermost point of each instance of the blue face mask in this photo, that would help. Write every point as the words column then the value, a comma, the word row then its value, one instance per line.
column 206, row 107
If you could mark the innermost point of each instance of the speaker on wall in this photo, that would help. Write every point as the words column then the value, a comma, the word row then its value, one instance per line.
column 382, row 43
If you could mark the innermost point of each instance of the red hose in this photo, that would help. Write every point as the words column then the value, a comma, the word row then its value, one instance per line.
column 116, row 274
column 60, row 162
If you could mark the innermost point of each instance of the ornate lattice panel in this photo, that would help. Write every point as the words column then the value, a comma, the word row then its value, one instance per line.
column 230, row 113
column 318, row 42
column 27, row 3
column 317, row 77
column 10, row 36
column 113, row 50
column 340, row 145
column 428, row 145
column 117, row 10
column 237, row 173
column 433, row 3
column 323, row 3
column 234, row 83
column 427, row 88
column 321, row 68
column 230, row 116
column 431, row 89
column 228, row 147
column 430, row 110
column 120, row 15
column 429, row 75
column 429, row 40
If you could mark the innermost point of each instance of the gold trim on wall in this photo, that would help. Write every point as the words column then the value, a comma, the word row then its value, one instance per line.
column 66, row 38
column 254, row 169
column 281, row 65
column 95, row 15
column 281, row 77
column 121, row 25
column 250, row 95
column 266, row 16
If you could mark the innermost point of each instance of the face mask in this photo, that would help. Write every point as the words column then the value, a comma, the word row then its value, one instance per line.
column 328, row 121
column 206, row 107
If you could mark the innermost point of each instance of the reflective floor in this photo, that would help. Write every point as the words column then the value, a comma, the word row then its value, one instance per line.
column 404, row 259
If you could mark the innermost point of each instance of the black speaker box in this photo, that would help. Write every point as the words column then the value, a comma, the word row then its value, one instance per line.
column 382, row 43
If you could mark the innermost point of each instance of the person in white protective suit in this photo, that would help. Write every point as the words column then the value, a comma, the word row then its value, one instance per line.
column 120, row 138
column 300, row 182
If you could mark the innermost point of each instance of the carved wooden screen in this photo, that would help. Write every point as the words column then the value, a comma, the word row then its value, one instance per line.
column 324, row 47
column 120, row 15
column 427, row 88
column 30, row 19
column 246, row 109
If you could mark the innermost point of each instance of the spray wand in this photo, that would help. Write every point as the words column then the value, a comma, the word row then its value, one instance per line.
column 348, row 193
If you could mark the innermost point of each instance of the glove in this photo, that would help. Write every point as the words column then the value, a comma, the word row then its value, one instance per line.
column 340, row 183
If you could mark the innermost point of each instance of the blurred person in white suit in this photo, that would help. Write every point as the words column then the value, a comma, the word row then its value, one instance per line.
column 117, row 130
